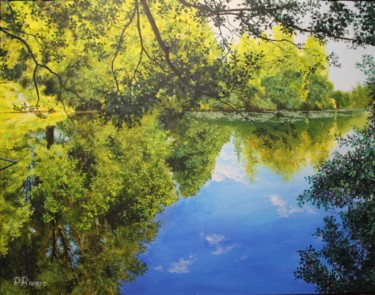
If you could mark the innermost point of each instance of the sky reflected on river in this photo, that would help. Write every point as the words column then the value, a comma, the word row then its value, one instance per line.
column 235, row 236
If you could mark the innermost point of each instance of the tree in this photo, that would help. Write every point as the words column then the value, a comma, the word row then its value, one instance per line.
column 16, row 141
column 280, row 90
column 117, row 56
column 196, row 147
column 361, row 97
column 89, row 207
column 345, row 262
column 319, row 91
column 343, row 99
column 348, row 178
column 277, row 75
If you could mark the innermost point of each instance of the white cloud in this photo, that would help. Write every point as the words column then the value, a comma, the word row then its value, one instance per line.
column 227, row 154
column 220, row 250
column 159, row 268
column 181, row 266
column 216, row 241
column 277, row 200
column 244, row 257
column 229, row 171
column 228, row 166
column 282, row 207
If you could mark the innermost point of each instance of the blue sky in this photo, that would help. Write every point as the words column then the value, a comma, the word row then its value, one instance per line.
column 234, row 237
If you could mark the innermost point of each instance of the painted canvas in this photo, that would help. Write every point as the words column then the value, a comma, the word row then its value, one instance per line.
column 187, row 147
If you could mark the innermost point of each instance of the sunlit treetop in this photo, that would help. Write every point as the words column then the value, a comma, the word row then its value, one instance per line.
column 118, row 56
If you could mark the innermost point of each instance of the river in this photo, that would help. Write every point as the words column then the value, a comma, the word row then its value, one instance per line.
column 204, row 203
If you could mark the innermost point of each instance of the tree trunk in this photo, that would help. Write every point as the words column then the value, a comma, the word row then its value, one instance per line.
column 50, row 136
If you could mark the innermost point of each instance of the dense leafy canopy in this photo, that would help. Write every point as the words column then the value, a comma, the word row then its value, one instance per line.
column 85, row 206
column 346, row 178
column 277, row 75
column 345, row 262
column 123, row 57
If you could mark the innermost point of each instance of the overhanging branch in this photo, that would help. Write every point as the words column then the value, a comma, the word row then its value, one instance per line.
column 161, row 43
column 118, row 50
column 37, row 65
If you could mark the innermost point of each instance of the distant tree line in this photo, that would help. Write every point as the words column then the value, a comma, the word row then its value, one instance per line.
column 284, row 75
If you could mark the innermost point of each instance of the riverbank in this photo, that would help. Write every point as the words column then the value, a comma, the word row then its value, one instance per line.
column 269, row 115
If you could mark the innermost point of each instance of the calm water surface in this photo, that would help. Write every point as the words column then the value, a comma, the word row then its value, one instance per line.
column 235, row 236
column 201, row 204
column 241, row 232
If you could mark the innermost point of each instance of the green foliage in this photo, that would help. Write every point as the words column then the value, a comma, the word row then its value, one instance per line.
column 195, row 149
column 16, row 138
column 346, row 178
column 123, row 57
column 122, row 72
column 281, row 92
column 345, row 262
column 347, row 181
column 12, row 218
column 58, row 188
column 361, row 96
column 319, row 91
column 284, row 142
column 94, row 197
column 286, row 148
column 95, row 193
column 343, row 99
column 262, row 75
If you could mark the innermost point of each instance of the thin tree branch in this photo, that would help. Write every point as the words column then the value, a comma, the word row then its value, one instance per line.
column 140, row 40
column 313, row 32
column 233, row 11
column 37, row 65
column 160, row 41
column 36, row 85
column 118, row 49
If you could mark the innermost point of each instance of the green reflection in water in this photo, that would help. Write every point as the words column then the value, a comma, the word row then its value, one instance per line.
column 196, row 147
column 78, row 213
column 345, row 262
column 92, row 204
column 285, row 145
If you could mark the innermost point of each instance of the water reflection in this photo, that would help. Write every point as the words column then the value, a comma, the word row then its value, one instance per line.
column 196, row 146
column 345, row 183
column 87, row 216
column 284, row 148
column 233, row 237
column 345, row 262
column 91, row 207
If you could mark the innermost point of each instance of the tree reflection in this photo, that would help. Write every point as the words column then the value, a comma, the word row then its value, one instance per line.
column 197, row 145
column 17, row 139
column 288, row 147
column 78, row 210
column 91, row 208
column 345, row 263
